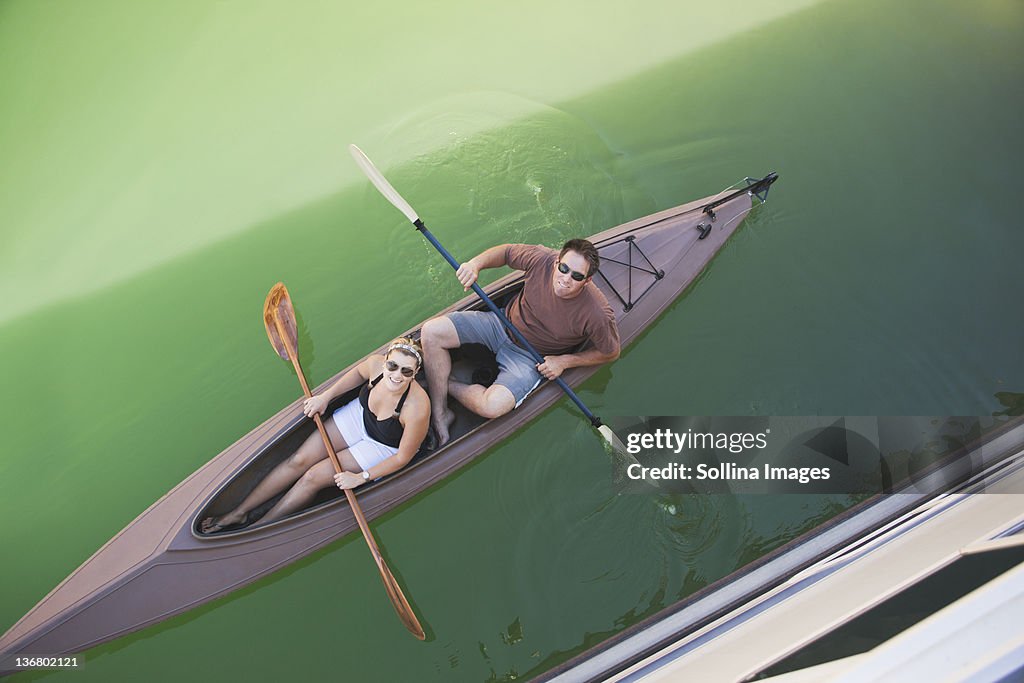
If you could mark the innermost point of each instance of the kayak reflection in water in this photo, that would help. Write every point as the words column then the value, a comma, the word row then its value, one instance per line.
column 369, row 445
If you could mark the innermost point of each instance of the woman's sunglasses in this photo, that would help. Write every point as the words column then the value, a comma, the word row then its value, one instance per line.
column 575, row 274
column 406, row 371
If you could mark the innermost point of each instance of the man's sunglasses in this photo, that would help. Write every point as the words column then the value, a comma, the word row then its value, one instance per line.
column 575, row 274
column 406, row 371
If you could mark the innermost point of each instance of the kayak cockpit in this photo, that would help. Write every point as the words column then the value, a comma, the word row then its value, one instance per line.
column 470, row 363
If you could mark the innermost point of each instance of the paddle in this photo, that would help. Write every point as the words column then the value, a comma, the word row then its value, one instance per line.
column 385, row 188
column 279, row 319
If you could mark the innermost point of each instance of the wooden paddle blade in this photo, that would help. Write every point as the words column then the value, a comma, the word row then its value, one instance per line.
column 401, row 605
column 391, row 587
column 279, row 306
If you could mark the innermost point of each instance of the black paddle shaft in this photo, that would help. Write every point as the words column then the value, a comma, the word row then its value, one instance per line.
column 594, row 419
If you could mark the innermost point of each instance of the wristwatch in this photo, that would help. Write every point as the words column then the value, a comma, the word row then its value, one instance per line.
column 366, row 475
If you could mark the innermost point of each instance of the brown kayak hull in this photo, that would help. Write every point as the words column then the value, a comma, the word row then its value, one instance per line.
column 161, row 565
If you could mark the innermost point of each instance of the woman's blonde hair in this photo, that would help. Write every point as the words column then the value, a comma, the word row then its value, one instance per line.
column 409, row 346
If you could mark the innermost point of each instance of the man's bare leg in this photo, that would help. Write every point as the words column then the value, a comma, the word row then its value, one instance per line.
column 488, row 402
column 438, row 336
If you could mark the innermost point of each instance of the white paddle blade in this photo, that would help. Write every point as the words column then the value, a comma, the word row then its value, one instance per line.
column 621, row 459
column 382, row 184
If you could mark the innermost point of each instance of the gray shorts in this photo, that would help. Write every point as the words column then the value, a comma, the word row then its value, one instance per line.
column 517, row 371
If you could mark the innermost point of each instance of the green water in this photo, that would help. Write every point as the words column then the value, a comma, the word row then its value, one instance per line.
column 164, row 167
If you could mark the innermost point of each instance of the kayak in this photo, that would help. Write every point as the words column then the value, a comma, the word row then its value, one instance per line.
column 162, row 564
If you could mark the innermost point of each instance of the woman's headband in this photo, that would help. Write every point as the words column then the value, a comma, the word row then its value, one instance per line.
column 406, row 347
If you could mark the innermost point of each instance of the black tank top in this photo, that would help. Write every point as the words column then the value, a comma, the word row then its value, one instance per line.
column 389, row 431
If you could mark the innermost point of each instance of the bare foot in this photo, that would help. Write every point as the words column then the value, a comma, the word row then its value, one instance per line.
column 442, row 420
column 214, row 524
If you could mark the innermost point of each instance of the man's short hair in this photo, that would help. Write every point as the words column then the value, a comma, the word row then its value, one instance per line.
column 584, row 249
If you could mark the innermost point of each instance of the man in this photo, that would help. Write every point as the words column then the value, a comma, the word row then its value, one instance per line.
column 558, row 310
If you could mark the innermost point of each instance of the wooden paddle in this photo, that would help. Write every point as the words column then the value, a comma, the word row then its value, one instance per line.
column 279, row 319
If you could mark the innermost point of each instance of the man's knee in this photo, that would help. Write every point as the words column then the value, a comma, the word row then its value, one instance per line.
column 439, row 333
column 498, row 400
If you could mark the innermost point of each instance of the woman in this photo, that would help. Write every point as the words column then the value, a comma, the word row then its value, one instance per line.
column 374, row 435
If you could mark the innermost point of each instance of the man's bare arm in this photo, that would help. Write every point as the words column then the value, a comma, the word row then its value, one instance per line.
column 554, row 366
column 469, row 271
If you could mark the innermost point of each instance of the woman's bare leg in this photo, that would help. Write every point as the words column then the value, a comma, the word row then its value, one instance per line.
column 319, row 476
column 281, row 477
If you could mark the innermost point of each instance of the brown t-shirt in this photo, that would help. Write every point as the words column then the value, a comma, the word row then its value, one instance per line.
column 553, row 325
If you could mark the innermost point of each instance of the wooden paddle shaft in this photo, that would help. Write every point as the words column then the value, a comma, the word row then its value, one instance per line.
column 398, row 599
column 360, row 519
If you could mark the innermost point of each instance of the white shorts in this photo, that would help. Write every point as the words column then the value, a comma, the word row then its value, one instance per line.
column 366, row 451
